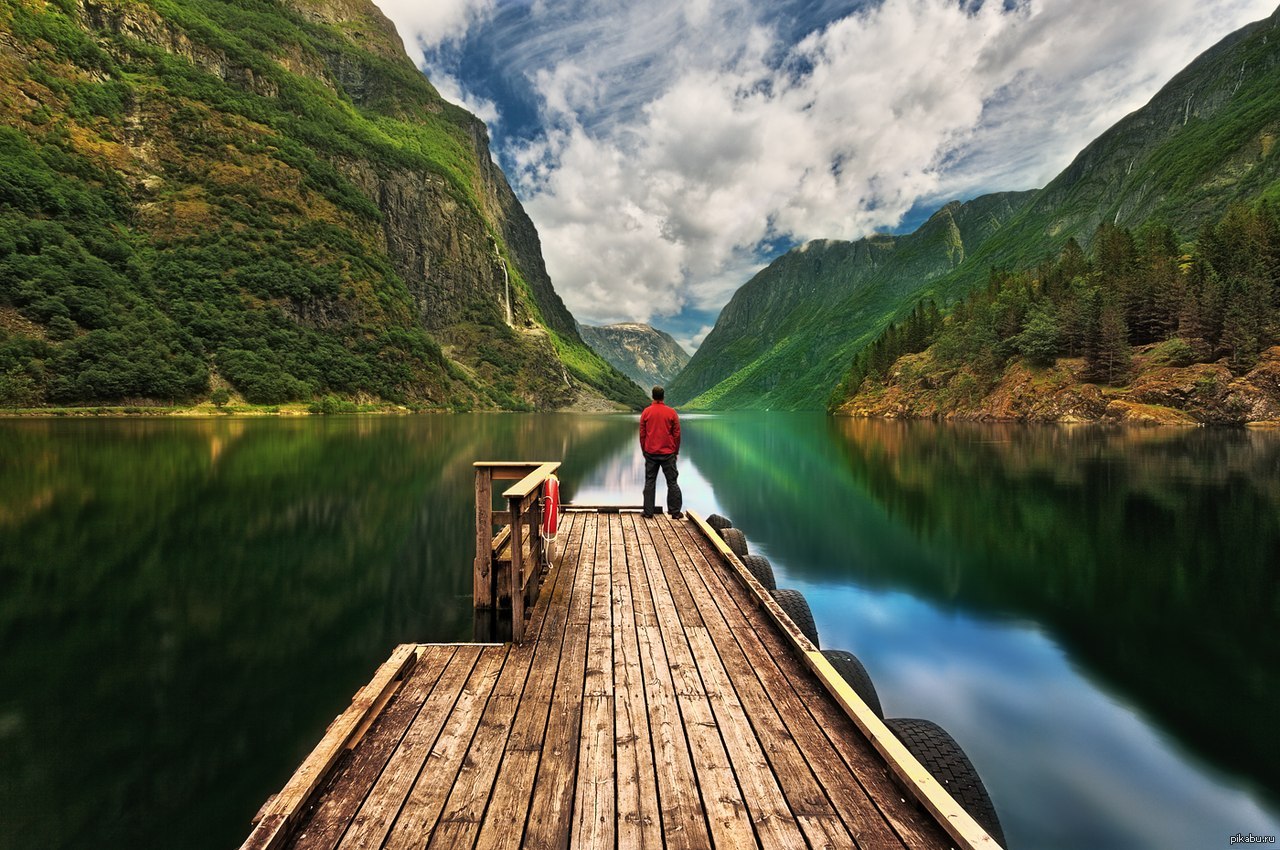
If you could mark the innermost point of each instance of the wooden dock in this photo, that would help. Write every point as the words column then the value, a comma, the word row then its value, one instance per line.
column 659, row 698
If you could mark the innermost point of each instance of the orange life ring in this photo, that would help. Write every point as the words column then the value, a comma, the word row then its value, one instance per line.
column 550, row 507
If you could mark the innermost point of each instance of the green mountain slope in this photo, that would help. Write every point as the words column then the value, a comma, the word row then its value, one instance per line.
column 789, row 333
column 266, row 195
column 1206, row 139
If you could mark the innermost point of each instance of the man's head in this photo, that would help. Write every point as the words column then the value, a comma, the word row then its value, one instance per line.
column 659, row 393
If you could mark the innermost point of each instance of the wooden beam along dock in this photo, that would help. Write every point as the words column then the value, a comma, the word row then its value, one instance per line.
column 654, row 696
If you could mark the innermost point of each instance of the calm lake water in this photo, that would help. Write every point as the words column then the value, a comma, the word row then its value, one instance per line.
column 185, row 605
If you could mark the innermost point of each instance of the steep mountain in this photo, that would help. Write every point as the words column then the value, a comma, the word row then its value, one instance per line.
column 1206, row 139
column 643, row 353
column 266, row 194
column 1181, row 289
column 785, row 338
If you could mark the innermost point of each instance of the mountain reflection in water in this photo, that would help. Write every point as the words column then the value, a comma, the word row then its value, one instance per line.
column 1084, row 609
column 184, row 605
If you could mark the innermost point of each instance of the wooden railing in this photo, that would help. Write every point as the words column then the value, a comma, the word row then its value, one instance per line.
column 508, row 563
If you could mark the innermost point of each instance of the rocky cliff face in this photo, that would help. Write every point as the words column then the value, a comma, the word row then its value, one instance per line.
column 788, row 334
column 643, row 353
column 289, row 168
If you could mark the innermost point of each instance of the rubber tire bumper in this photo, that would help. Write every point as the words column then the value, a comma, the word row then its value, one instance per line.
column 797, row 608
column 759, row 566
column 939, row 753
column 852, row 671
column 736, row 540
column 719, row 523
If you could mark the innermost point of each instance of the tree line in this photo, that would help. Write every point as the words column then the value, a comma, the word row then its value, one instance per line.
column 1215, row 299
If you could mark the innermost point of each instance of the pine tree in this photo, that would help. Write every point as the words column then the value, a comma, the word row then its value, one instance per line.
column 1242, row 325
column 1153, row 312
column 1038, row 341
column 1072, row 262
column 1112, row 356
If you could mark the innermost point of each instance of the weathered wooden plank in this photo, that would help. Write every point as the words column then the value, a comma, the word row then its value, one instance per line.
column 594, row 794
column 653, row 704
column 328, row 818
column 285, row 809
column 683, row 817
column 374, row 819
column 638, row 817
column 533, row 574
column 526, row 485
column 817, row 784
column 726, row 810
column 797, row 689
column 504, row 822
column 552, row 805
column 421, row 811
column 460, row 819
column 767, row 806
column 500, row 540
column 509, row 470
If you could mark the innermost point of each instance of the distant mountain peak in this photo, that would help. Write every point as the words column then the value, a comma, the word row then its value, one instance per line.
column 640, row 351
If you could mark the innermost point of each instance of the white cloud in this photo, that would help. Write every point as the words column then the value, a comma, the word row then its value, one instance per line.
column 452, row 90
column 427, row 26
column 665, row 211
column 678, row 137
column 424, row 24
column 692, row 343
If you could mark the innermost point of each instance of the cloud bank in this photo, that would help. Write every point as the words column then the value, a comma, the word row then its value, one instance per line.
column 679, row 144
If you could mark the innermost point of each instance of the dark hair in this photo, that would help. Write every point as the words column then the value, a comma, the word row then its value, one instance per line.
column 658, row 393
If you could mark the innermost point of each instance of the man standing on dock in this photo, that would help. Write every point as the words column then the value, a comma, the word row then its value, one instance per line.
column 660, row 443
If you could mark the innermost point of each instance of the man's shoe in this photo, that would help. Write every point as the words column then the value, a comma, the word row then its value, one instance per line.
column 677, row 515
column 647, row 515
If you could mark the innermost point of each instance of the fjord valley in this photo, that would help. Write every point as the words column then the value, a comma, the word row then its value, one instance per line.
column 264, row 197
column 1205, row 141
column 268, row 201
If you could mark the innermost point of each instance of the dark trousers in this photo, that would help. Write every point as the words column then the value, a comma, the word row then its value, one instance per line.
column 668, row 464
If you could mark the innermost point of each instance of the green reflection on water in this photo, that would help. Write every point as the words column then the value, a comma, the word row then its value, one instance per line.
column 1151, row 555
column 184, row 605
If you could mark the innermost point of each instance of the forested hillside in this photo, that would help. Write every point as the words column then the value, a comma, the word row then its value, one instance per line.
column 789, row 333
column 264, row 196
column 1138, row 329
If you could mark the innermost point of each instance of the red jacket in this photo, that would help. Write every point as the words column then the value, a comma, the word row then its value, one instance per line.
column 659, row 430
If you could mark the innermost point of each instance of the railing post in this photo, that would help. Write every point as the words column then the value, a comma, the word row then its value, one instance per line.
column 483, row 579
column 516, row 505
column 535, row 542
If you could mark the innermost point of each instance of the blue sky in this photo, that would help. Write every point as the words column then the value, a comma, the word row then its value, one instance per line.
column 669, row 149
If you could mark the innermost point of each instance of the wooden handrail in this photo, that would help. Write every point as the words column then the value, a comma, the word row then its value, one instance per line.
column 498, row 580
column 531, row 482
